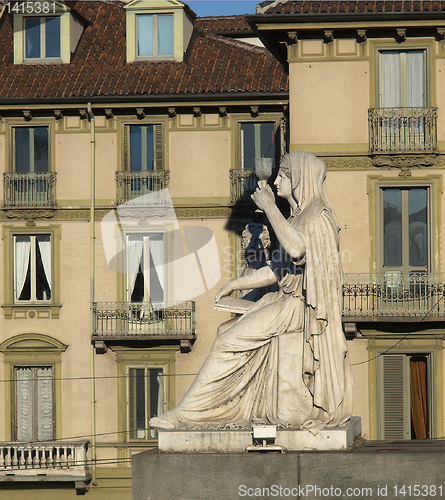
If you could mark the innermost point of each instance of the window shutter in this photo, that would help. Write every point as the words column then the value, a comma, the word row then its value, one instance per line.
column 126, row 153
column 396, row 409
column 159, row 148
column 132, row 403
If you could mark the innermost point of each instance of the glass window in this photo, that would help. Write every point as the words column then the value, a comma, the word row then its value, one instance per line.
column 33, row 403
column 32, row 268
column 258, row 140
column 406, row 244
column 142, row 147
column 155, row 35
column 31, row 152
column 146, row 270
column 146, row 400
column 42, row 37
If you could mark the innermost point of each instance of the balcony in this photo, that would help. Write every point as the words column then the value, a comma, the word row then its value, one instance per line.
column 402, row 130
column 141, row 321
column 131, row 185
column 393, row 296
column 242, row 184
column 45, row 461
column 30, row 190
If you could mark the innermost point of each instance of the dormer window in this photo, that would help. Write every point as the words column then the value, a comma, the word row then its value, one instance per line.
column 42, row 37
column 154, row 35
column 45, row 33
column 158, row 29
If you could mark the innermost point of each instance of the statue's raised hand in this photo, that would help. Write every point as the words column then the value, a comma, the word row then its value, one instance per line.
column 263, row 196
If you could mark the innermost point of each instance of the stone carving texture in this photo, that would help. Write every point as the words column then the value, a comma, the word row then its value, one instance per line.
column 285, row 360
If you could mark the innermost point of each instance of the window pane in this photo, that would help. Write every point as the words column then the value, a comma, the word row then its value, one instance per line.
column 52, row 36
column 247, row 146
column 267, row 132
column 23, row 404
column 156, row 396
column 22, row 267
column 145, row 35
column 135, row 148
column 137, row 403
column 418, row 227
column 415, row 64
column 44, row 404
column 41, row 149
column 43, row 267
column 22, row 150
column 392, row 227
column 149, row 146
column 32, row 37
column 165, row 35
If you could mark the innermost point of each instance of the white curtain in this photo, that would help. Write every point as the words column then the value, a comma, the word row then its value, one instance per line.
column 45, row 252
column 22, row 253
column 415, row 61
column 160, row 380
column 23, row 403
column 135, row 246
column 44, row 404
column 156, row 246
column 390, row 79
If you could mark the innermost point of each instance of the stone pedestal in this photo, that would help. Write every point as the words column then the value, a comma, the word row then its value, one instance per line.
column 236, row 441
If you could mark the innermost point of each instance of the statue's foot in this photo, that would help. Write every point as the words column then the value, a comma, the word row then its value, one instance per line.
column 162, row 422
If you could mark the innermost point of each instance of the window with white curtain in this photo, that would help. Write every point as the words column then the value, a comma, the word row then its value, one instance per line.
column 32, row 268
column 33, row 403
column 146, row 276
column 154, row 35
column 402, row 81
column 145, row 399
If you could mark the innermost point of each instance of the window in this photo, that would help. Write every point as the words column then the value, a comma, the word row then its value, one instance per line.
column 258, row 140
column 33, row 403
column 146, row 400
column 402, row 78
column 143, row 147
column 42, row 37
column 146, row 271
column 154, row 35
column 32, row 268
column 405, row 229
column 30, row 149
column 404, row 388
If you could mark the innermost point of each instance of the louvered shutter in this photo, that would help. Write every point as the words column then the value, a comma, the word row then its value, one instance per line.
column 395, row 411
column 159, row 148
column 126, row 152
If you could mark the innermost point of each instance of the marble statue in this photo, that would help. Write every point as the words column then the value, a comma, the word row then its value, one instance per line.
column 249, row 375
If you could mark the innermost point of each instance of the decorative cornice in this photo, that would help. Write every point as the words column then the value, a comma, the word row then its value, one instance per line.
column 348, row 162
column 404, row 161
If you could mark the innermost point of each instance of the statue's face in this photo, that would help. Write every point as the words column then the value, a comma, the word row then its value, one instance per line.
column 283, row 184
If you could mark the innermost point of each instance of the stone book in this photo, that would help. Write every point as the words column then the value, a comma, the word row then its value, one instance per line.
column 233, row 304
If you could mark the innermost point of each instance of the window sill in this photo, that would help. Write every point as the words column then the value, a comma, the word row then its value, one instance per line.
column 31, row 311
column 42, row 61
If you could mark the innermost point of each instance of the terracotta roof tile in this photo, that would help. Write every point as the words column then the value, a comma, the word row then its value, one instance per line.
column 98, row 67
column 223, row 24
column 353, row 6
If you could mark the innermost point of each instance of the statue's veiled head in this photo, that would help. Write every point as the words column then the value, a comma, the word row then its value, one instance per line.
column 307, row 174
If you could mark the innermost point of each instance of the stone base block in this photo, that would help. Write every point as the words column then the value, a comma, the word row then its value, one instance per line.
column 237, row 440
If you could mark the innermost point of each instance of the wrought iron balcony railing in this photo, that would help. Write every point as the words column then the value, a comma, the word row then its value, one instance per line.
column 113, row 320
column 30, row 190
column 242, row 184
column 393, row 293
column 402, row 130
column 45, row 461
column 130, row 185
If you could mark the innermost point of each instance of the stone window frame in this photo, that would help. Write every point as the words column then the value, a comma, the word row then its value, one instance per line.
column 32, row 350
column 29, row 310
column 126, row 358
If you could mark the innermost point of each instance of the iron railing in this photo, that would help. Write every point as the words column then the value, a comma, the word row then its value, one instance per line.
column 402, row 130
column 393, row 293
column 33, row 189
column 128, row 319
column 131, row 185
column 242, row 184
column 51, row 459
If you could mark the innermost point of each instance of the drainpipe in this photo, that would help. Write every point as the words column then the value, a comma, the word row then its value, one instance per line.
column 92, row 295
